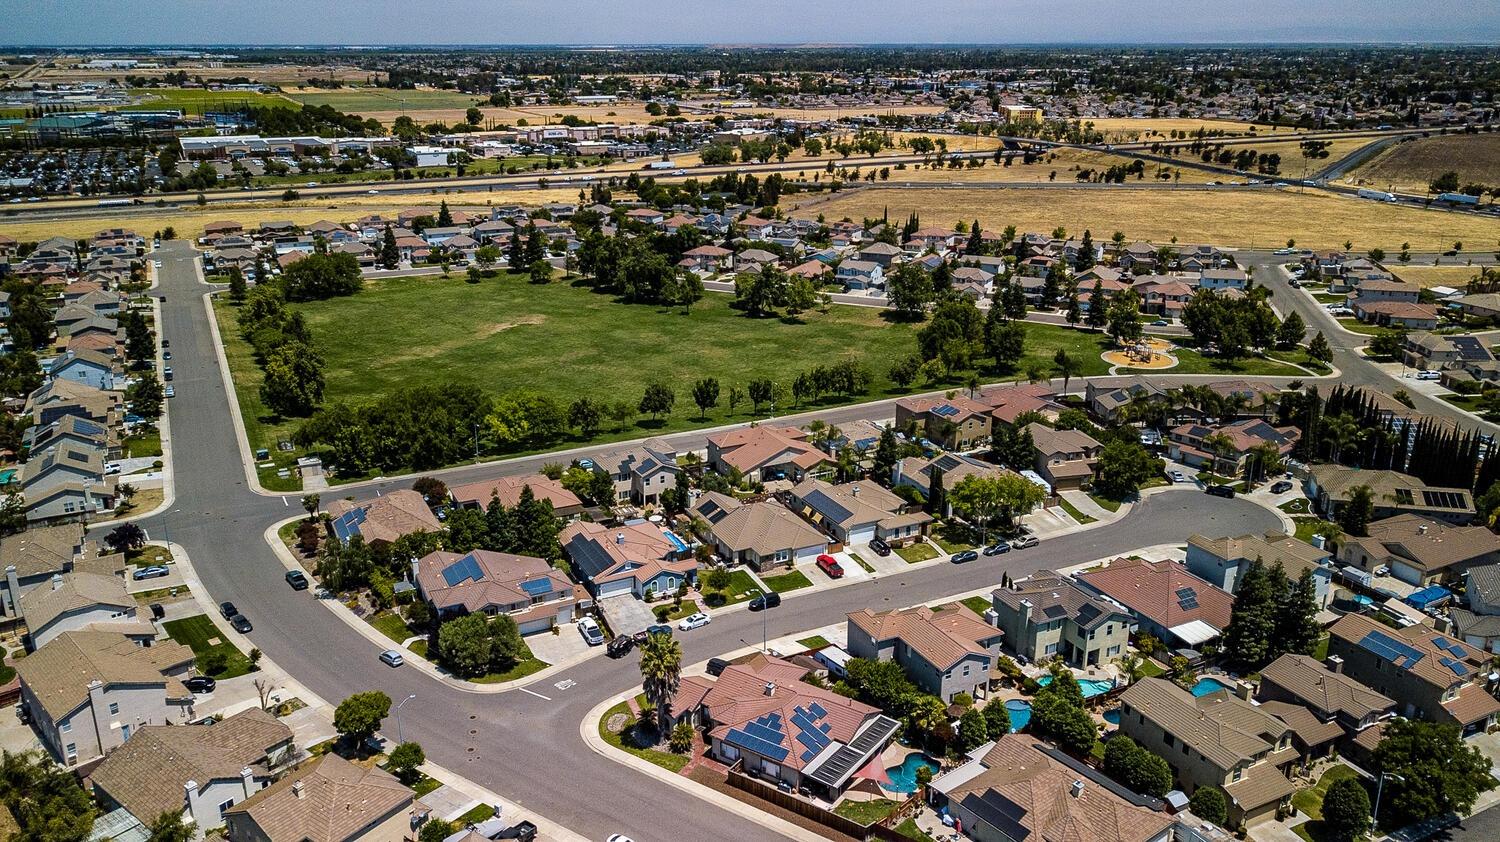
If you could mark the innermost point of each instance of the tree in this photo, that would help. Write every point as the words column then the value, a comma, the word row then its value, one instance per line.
column 973, row 730
column 661, row 675
column 435, row 830
column 539, row 272
column 46, row 799
column 1123, row 467
column 237, row 286
column 585, row 415
column 1346, row 810
column 320, row 276
column 1053, row 716
column 1124, row 316
column 293, row 381
column 706, row 395
column 358, row 717
column 681, row 741
column 1429, row 771
column 1137, row 768
column 1252, row 620
column 404, row 760
column 1005, row 341
column 657, row 400
column 1318, row 349
column 126, row 536
column 1098, row 306
column 444, row 215
column 1289, row 334
column 169, row 827
column 909, row 291
column 1066, row 366
column 996, row 719
column 146, row 395
column 464, row 646
column 983, row 499
column 1356, row 513
column 1208, row 803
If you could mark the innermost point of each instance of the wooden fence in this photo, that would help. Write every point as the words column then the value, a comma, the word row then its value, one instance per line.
column 790, row 801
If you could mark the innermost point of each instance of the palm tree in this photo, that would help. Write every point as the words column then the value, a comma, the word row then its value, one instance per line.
column 1065, row 365
column 1233, row 404
column 1221, row 446
column 661, row 674
column 1268, row 400
column 1339, row 432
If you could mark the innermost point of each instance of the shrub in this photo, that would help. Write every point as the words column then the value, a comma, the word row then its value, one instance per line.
column 681, row 741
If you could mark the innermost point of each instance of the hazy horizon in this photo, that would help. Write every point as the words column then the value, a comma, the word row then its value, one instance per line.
column 480, row 23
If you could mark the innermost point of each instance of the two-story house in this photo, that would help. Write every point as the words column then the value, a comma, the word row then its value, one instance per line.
column 1222, row 561
column 956, row 423
column 82, row 601
column 528, row 590
column 327, row 799
column 767, row 453
column 1419, row 550
column 382, row 520
column 1165, row 599
column 945, row 653
column 1224, row 448
column 640, row 473
column 1326, row 691
column 1046, row 615
column 858, row 512
column 1064, row 458
column 1392, row 493
column 636, row 558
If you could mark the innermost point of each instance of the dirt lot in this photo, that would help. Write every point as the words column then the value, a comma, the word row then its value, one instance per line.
column 1249, row 217
column 1433, row 276
column 1412, row 165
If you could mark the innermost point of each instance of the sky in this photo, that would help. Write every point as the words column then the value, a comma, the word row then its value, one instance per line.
column 379, row 22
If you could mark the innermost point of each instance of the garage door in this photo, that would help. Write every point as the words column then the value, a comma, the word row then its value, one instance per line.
column 534, row 626
column 807, row 554
column 862, row 536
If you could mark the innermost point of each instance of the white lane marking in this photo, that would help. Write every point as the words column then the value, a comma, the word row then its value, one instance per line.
column 285, row 503
column 565, row 684
column 538, row 695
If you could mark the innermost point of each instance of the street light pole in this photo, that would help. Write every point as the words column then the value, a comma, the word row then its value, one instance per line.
column 399, row 740
column 1379, row 787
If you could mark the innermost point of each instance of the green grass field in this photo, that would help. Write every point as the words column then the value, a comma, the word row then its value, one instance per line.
column 199, row 634
column 792, row 581
column 195, row 101
column 359, row 100
column 568, row 342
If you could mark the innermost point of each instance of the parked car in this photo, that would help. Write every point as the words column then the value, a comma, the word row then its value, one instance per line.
column 166, row 373
column 392, row 658
column 158, row 610
column 1281, row 487
column 620, row 837
column 591, row 632
column 1428, row 375
column 170, row 392
column 1025, row 542
column 997, row 548
column 1160, row 323
column 241, row 624
column 1220, row 491
column 228, row 610
column 828, row 564
column 153, row 572
column 166, row 354
column 523, row 831
column 694, row 621
column 716, row 666
column 620, row 646
column 297, row 579
column 200, row 684
column 964, row 557
column 659, row 628
column 765, row 600
column 1177, row 476
column 880, row 547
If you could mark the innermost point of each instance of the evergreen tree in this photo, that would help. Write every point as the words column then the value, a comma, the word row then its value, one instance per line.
column 444, row 216
column 937, row 496
column 390, row 253
column 1098, row 312
column 1252, row 621
column 1356, row 512
column 887, row 454
column 1086, row 252
column 237, row 287
column 515, row 251
column 1297, row 627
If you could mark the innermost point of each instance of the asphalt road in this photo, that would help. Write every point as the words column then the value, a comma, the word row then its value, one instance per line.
column 520, row 745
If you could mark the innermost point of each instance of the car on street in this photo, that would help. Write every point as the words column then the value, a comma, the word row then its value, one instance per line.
column 1281, row 487
column 166, row 355
column 241, row 624
column 200, row 684
column 1177, row 476
column 880, row 547
column 659, row 628
column 166, row 343
column 228, row 610
column 297, row 579
column 997, row 548
column 153, row 572
column 1224, row 491
column 693, row 621
column 592, row 634
column 170, row 392
column 828, row 564
column 620, row 646
column 620, row 837
column 1284, row 251
column 1428, row 375
column 392, row 658
column 765, row 600
column 964, row 557
column 1160, row 323
column 1025, row 542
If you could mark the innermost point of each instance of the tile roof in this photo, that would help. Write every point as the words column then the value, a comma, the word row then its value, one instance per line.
column 850, row 504
column 147, row 774
column 941, row 638
column 42, row 549
column 752, row 448
column 508, row 489
column 764, row 528
column 59, row 673
column 1391, row 488
column 1224, row 728
column 1274, row 548
column 385, row 518
column 1162, row 591
column 1419, row 650
column 1311, row 730
column 71, row 592
column 1052, row 597
column 1323, row 690
column 1427, row 544
column 327, row 799
column 482, row 578
column 639, row 551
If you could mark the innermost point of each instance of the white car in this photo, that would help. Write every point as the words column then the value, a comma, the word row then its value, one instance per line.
column 694, row 621
column 1178, row 476
column 591, row 632
column 1428, row 375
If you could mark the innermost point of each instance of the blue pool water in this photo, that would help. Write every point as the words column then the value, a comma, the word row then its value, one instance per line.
column 677, row 542
column 1020, row 714
column 904, row 777
column 1089, row 686
column 1208, row 685
column 1112, row 716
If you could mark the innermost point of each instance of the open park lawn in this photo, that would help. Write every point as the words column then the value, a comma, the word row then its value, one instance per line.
column 507, row 335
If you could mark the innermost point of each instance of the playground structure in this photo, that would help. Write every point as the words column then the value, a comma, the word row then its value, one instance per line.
column 1147, row 353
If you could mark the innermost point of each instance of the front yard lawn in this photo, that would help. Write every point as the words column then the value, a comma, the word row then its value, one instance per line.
column 952, row 538
column 1073, row 512
column 666, row 760
column 1105, row 503
column 148, row 556
column 1310, row 800
column 1307, row 527
column 978, row 604
column 520, row 670
column 864, row 565
column 865, row 812
column 741, row 587
column 687, row 608
column 199, row 634
column 390, row 624
column 817, row 641
column 913, row 553
column 787, row 582
column 145, row 443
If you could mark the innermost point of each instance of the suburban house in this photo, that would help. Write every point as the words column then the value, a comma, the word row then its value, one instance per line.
column 1019, row 789
column 199, row 771
column 1479, row 623
column 33, row 556
column 943, row 652
column 635, row 558
column 882, row 254
column 67, row 481
column 1420, row 551
column 383, row 519
column 1226, row 278
column 1325, row 691
column 1394, row 493
column 956, row 423
column 78, row 602
column 90, row 368
column 858, row 512
column 87, row 691
column 640, row 473
column 1106, row 402
column 760, row 535
column 860, row 274
column 761, row 717
column 1222, row 561
column 1430, row 675
column 1166, row 600
column 1046, row 615
column 528, row 590
column 1194, row 444
column 1217, row 740
column 766, row 453
column 477, row 495
column 709, row 259
column 1402, row 314
column 327, row 799
column 917, row 471
column 1064, row 458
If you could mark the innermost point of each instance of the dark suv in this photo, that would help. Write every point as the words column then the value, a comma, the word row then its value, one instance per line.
column 1221, row 491
column 765, row 600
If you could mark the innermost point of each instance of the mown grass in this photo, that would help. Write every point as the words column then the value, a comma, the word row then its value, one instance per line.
column 792, row 581
column 817, row 641
column 913, row 553
column 670, row 762
column 196, row 633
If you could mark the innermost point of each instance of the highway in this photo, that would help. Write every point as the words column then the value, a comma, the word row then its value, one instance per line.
column 521, row 745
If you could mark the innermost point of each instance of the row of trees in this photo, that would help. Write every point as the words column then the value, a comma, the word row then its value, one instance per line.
column 1272, row 616
column 292, row 382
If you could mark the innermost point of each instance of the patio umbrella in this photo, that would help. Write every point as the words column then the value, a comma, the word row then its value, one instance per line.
column 874, row 771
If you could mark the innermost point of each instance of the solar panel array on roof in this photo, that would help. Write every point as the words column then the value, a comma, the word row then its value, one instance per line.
column 1384, row 646
column 1469, row 347
column 1443, row 499
column 947, row 410
column 537, row 587
column 825, row 504
column 837, row 768
column 346, row 525
column 812, row 734
column 1187, row 599
column 1054, row 611
column 462, row 570
column 762, row 736
column 1452, row 646
column 1087, row 612
column 88, row 427
column 999, row 812
column 1456, row 667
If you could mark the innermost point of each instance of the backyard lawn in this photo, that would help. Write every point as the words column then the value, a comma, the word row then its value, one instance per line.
column 199, row 634
column 865, row 812
column 568, row 342
column 787, row 582
column 817, row 641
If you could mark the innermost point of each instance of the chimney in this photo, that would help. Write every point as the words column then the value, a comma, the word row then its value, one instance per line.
column 855, row 491
column 1077, row 788
column 1334, row 663
column 770, row 688
column 620, row 538
column 1242, row 689
column 297, row 788
column 1026, row 607
column 190, row 791
column 247, row 777
column 57, row 581
column 1422, row 529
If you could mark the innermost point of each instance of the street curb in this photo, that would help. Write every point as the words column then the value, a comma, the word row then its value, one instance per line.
column 589, row 731
column 241, row 438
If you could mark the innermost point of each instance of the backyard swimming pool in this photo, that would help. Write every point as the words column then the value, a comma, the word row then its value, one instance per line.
column 1020, row 714
column 1208, row 685
column 1112, row 716
column 904, row 777
column 1089, row 686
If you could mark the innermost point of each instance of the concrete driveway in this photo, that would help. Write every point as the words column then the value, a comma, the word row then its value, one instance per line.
column 560, row 647
column 626, row 615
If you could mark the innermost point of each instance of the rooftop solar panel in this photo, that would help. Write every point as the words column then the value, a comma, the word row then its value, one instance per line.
column 757, row 745
column 1384, row 646
column 537, row 587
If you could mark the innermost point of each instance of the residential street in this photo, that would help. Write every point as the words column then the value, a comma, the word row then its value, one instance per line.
column 526, row 744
